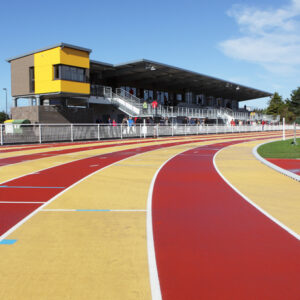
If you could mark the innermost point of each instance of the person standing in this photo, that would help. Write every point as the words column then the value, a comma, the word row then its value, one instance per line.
column 130, row 125
column 154, row 106
column 145, row 106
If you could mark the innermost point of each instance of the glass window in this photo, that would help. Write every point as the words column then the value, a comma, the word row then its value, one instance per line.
column 31, row 79
column 64, row 72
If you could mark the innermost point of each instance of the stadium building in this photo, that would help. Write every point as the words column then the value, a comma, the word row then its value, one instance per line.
column 63, row 85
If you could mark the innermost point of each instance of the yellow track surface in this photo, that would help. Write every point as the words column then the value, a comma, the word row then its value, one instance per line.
column 275, row 193
column 67, row 254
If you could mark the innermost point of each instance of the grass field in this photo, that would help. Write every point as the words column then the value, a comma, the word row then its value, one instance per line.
column 280, row 149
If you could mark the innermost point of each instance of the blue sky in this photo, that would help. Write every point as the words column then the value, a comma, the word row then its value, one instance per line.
column 254, row 43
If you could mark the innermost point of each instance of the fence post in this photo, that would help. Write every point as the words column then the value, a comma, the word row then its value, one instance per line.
column 140, row 131
column 172, row 128
column 40, row 133
column 283, row 129
column 295, row 135
column 121, row 131
column 145, row 131
column 1, row 134
column 72, row 136
column 98, row 132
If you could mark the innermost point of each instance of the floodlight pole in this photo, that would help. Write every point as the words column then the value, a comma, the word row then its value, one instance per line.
column 5, row 89
column 283, row 129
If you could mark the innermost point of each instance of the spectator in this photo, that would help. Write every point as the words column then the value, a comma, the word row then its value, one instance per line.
column 145, row 106
column 130, row 125
column 154, row 106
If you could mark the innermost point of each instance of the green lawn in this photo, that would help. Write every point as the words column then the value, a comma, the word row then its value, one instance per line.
column 280, row 149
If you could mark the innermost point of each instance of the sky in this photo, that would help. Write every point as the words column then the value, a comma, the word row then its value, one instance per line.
column 253, row 43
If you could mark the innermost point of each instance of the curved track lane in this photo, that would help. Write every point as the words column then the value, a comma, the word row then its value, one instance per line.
column 212, row 244
column 79, row 147
column 32, row 191
column 44, row 185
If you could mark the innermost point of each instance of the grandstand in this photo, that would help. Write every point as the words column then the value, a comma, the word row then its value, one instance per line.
column 63, row 85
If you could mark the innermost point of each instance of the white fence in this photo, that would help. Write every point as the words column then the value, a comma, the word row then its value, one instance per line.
column 42, row 133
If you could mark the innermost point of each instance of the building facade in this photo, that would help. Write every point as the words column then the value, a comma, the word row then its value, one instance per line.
column 62, row 84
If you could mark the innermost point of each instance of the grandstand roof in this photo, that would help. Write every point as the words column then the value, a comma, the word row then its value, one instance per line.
column 161, row 76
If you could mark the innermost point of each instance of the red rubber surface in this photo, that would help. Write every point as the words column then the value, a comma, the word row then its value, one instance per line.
column 44, row 185
column 15, row 148
column 292, row 165
column 27, row 157
column 13, row 213
column 23, row 158
column 211, row 244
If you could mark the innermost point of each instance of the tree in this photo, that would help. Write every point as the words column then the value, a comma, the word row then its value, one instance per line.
column 286, row 113
column 294, row 103
column 276, row 105
column 3, row 116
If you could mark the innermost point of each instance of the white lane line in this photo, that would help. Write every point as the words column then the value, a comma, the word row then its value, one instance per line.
column 154, row 280
column 294, row 234
column 129, row 210
column 12, row 229
column 58, row 209
column 95, row 210
column 21, row 202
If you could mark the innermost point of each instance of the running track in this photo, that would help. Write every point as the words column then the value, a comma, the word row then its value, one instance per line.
column 209, row 242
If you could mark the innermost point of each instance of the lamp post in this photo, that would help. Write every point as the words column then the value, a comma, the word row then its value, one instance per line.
column 5, row 89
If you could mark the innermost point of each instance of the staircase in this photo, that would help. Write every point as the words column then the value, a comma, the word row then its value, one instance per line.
column 133, row 106
column 124, row 101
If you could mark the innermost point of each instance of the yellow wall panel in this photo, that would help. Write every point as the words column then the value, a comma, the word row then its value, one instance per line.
column 73, row 57
column 43, row 70
column 75, row 87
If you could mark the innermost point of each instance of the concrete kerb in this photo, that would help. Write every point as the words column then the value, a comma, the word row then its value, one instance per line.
column 273, row 166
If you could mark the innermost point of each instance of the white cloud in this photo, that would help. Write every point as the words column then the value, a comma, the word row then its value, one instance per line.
column 269, row 37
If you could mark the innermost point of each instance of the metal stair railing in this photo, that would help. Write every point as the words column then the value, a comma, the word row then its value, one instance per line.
column 133, row 106
column 129, row 97
column 122, row 100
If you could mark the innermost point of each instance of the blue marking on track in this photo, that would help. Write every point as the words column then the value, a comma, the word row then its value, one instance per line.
column 93, row 210
column 31, row 187
column 7, row 242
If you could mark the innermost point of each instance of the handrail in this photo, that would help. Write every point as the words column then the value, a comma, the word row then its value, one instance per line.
column 224, row 113
column 123, row 93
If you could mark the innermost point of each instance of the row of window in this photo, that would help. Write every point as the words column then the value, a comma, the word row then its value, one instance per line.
column 64, row 72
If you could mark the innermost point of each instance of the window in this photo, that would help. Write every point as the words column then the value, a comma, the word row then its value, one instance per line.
column 70, row 73
column 31, row 79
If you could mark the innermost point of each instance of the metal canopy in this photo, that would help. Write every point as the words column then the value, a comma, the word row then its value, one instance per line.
column 153, row 75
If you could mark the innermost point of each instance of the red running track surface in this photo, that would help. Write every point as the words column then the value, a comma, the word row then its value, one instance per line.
column 22, row 158
column 212, row 244
column 40, row 187
column 292, row 165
